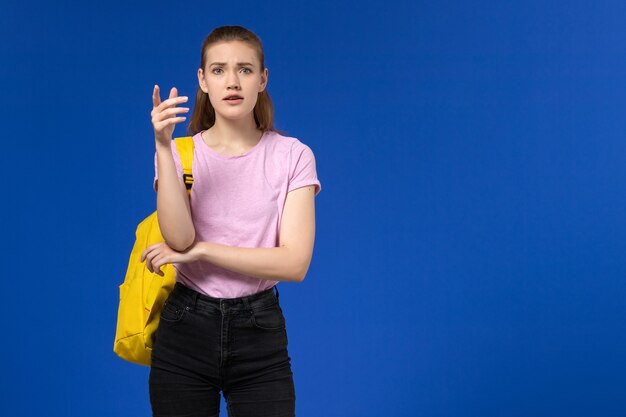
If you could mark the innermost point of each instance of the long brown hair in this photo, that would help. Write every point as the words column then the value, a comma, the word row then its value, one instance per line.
column 203, row 116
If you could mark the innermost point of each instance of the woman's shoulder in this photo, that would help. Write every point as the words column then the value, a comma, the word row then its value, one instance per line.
column 278, row 142
column 285, row 142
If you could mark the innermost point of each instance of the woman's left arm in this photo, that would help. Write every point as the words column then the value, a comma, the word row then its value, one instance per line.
column 289, row 261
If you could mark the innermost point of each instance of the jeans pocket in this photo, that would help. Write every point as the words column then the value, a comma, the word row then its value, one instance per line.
column 172, row 312
column 269, row 317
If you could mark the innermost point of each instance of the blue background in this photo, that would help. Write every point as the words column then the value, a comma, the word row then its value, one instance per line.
column 469, row 255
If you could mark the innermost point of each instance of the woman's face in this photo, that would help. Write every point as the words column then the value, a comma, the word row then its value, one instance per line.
column 232, row 68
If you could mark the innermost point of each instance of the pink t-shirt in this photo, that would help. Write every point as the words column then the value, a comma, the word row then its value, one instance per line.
column 238, row 201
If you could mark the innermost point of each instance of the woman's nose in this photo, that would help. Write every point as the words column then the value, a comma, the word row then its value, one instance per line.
column 233, row 81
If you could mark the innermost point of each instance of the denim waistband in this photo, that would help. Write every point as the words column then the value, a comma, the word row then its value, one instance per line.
column 194, row 297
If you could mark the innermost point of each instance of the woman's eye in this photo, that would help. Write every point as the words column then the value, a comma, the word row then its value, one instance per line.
column 247, row 69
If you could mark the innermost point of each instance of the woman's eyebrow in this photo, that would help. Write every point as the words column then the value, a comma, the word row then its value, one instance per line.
column 238, row 63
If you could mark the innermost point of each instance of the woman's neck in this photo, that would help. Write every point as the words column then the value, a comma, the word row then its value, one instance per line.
column 233, row 144
column 232, row 134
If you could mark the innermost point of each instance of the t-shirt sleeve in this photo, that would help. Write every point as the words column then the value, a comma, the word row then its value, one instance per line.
column 302, row 171
column 179, row 166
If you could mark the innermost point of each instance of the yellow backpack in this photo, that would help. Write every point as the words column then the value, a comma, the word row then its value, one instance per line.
column 143, row 293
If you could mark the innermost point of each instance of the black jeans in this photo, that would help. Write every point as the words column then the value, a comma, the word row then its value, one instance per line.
column 236, row 345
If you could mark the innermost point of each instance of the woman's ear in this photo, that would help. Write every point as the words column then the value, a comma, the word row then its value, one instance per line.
column 201, row 82
column 263, row 82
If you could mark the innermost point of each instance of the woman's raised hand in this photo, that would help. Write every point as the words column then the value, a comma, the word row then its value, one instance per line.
column 164, row 115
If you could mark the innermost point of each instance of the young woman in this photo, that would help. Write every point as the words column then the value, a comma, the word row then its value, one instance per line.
column 249, row 223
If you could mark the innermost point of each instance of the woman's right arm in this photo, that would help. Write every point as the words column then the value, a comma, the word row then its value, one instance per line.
column 173, row 209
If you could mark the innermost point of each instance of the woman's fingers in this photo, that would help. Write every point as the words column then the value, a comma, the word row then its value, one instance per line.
column 148, row 251
column 156, row 264
column 164, row 118
column 173, row 110
column 149, row 263
column 156, row 97
column 168, row 114
column 172, row 102
column 164, row 114
column 148, row 256
column 153, row 259
column 160, row 125
column 174, row 98
column 167, row 108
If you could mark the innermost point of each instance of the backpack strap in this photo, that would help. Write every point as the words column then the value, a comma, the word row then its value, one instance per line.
column 184, row 146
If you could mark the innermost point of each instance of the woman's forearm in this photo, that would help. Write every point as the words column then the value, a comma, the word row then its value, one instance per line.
column 173, row 210
column 277, row 264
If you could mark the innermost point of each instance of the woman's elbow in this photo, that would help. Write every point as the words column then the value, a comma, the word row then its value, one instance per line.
column 181, row 245
column 303, row 268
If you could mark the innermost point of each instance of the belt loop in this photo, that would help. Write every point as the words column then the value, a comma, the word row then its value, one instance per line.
column 276, row 288
column 195, row 299
column 246, row 305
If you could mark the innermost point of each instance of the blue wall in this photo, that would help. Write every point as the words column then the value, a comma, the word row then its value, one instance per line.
column 469, row 255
